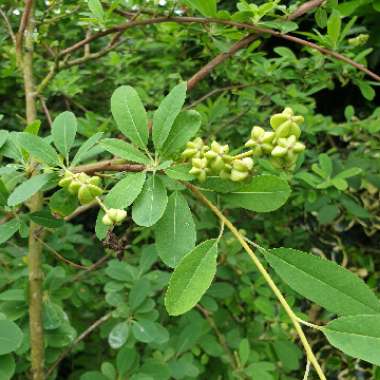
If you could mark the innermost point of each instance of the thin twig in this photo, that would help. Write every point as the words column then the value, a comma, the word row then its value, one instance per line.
column 81, row 337
column 80, row 210
column 219, row 335
column 206, row 21
column 294, row 319
column 307, row 370
column 46, row 111
column 23, row 24
column 91, row 268
column 8, row 26
column 205, row 70
column 305, row 8
column 59, row 256
column 108, row 165
column 217, row 91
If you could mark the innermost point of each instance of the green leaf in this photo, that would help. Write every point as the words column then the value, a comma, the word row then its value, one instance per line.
column 191, row 278
column 44, row 218
column 166, row 113
column 10, row 336
column 125, row 191
column 3, row 137
column 367, row 91
column 7, row 367
column 185, row 126
column 147, row 331
column 96, row 9
column 85, row 147
column 130, row 115
column 118, row 335
column 151, row 203
column 334, row 24
column 124, row 150
column 100, row 228
column 265, row 193
column 357, row 336
column 63, row 203
column 8, row 229
column 244, row 351
column 323, row 282
column 175, row 232
column 39, row 149
column 180, row 171
column 63, row 131
column 205, row 7
column 28, row 188
column 93, row 375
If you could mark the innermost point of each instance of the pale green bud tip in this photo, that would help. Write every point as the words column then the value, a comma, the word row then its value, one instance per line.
column 114, row 216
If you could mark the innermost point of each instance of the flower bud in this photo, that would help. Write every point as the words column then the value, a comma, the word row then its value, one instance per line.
column 95, row 190
column 237, row 175
column 286, row 123
column 84, row 195
column 107, row 220
column 95, row 180
column 74, row 186
column 243, row 164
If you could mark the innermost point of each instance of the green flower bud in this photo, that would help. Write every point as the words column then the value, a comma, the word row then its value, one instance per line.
column 84, row 195
column 95, row 180
column 195, row 149
column 117, row 215
column 200, row 163
column 260, row 141
column 279, row 151
column 83, row 177
column 74, row 186
column 95, row 190
column 237, row 175
column 243, row 164
column 107, row 220
column 217, row 165
column 286, row 123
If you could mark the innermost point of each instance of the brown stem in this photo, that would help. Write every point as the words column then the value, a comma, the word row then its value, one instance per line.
column 8, row 26
column 35, row 204
column 82, row 336
column 205, row 70
column 305, row 8
column 108, row 165
column 206, row 21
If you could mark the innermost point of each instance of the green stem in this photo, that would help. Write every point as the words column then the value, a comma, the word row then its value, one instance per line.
column 293, row 317
column 250, row 153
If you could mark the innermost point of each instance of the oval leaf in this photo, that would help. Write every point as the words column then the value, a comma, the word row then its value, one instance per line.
column 7, row 230
column 125, row 191
column 151, row 203
column 323, row 282
column 185, row 126
column 64, row 129
column 118, row 335
column 24, row 191
column 166, row 113
column 357, row 336
column 191, row 278
column 265, row 193
column 38, row 148
column 175, row 232
column 124, row 150
column 85, row 147
column 130, row 115
column 10, row 336
column 7, row 367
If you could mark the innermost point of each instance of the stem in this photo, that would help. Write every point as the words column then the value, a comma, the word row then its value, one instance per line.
column 25, row 62
column 294, row 319
column 244, row 154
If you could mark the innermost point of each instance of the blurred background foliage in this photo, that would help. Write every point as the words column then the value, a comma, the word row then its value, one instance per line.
column 237, row 331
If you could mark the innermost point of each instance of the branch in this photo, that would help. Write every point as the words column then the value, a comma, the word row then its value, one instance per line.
column 23, row 24
column 82, row 336
column 294, row 319
column 205, row 70
column 8, row 26
column 108, row 165
column 305, row 8
column 207, row 21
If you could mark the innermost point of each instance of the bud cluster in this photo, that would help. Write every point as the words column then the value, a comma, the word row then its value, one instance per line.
column 281, row 145
column 114, row 216
column 215, row 160
column 86, row 188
